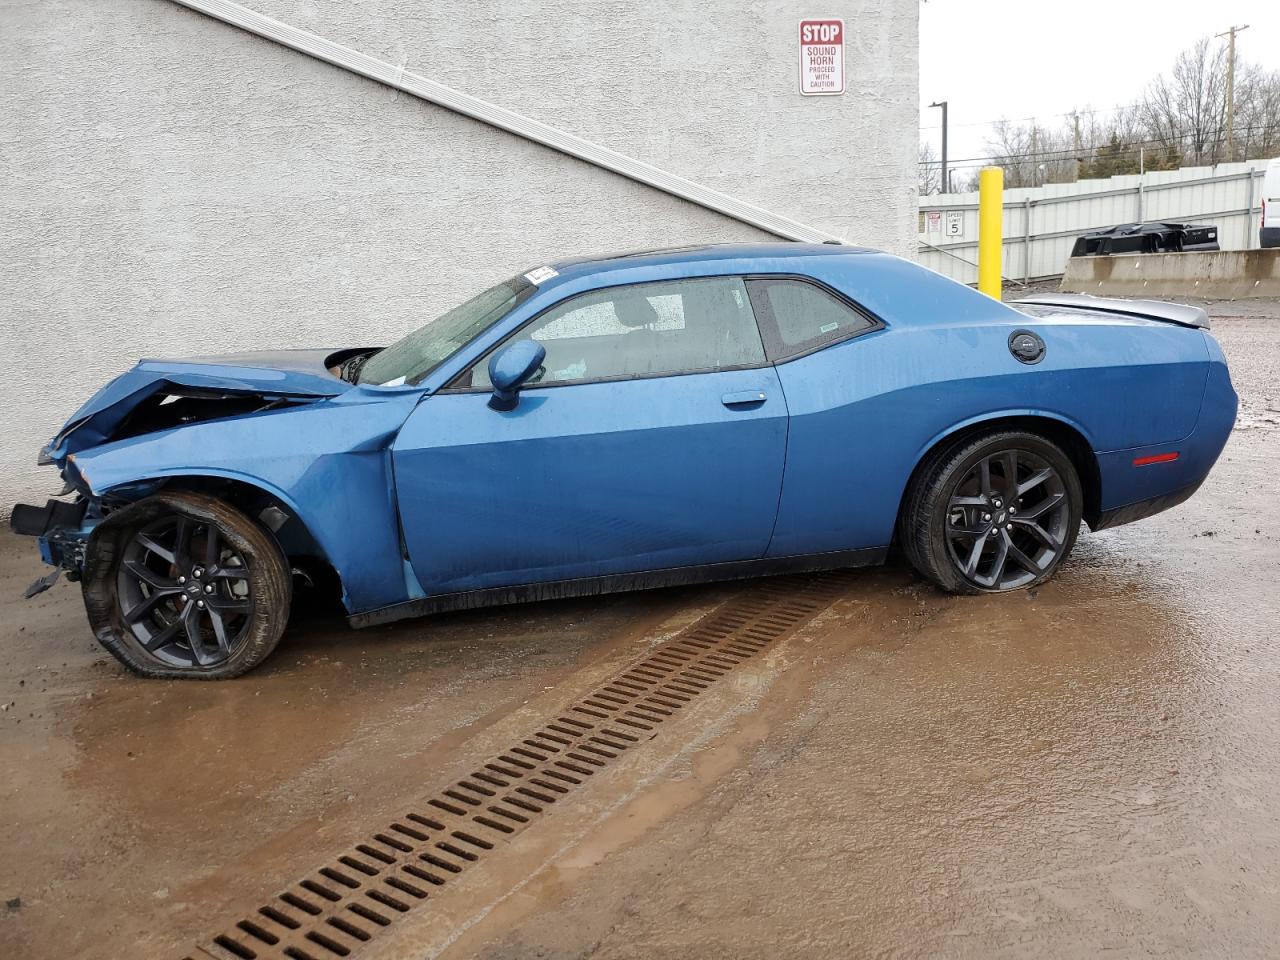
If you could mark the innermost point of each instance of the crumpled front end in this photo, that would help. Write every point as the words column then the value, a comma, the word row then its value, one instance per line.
column 156, row 397
column 62, row 527
column 159, row 394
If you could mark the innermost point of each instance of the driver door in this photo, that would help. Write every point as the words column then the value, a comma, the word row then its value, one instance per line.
column 654, row 438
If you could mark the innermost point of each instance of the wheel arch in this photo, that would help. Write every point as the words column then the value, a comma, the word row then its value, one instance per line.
column 269, row 508
column 1069, row 436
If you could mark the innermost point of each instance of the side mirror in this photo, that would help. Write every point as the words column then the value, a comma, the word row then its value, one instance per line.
column 510, row 369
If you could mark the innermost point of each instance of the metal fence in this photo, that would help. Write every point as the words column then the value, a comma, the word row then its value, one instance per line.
column 1042, row 223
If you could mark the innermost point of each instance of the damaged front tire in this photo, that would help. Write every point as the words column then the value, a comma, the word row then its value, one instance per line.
column 183, row 585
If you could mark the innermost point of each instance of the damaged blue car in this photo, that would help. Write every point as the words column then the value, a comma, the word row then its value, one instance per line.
column 624, row 422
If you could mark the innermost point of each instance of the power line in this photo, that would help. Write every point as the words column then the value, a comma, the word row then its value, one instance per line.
column 1047, row 116
column 1125, row 147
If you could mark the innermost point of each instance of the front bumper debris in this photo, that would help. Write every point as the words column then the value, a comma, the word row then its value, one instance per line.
column 62, row 535
column 42, row 584
column 32, row 521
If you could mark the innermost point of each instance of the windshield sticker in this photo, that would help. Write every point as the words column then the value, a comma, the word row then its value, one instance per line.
column 540, row 275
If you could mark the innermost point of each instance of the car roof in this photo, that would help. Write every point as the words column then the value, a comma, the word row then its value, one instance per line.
column 740, row 255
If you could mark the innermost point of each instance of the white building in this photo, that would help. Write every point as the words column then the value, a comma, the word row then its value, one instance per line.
column 174, row 185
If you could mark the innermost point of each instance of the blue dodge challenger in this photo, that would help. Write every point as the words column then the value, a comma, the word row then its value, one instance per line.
column 623, row 422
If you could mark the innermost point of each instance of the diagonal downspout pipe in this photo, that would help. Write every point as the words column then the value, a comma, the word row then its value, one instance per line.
column 437, row 93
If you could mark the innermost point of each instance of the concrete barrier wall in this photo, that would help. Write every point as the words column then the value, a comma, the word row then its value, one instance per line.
column 1223, row 274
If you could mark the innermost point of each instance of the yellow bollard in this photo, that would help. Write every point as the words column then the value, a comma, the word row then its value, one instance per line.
column 990, row 230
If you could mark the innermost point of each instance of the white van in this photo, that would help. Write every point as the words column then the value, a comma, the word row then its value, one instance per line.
column 1269, row 229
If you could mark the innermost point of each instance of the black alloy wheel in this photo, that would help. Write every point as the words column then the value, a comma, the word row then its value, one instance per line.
column 1007, row 520
column 184, row 593
column 184, row 585
column 993, row 512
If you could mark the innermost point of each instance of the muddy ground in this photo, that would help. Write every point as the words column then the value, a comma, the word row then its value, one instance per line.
column 1090, row 767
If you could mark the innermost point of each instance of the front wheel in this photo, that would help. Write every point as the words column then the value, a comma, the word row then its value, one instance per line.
column 182, row 585
column 995, row 513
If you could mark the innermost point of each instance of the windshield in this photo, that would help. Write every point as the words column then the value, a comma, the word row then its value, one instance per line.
column 410, row 359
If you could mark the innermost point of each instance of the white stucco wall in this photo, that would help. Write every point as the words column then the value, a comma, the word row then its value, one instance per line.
column 173, row 186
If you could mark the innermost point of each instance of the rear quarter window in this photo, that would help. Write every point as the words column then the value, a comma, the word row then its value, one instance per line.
column 799, row 316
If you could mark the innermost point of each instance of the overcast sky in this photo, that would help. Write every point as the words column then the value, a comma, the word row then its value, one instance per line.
column 1023, row 58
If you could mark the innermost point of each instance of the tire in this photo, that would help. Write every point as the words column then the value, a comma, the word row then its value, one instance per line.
column 1021, row 528
column 168, row 602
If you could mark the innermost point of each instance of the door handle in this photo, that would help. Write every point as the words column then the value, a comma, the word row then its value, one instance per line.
column 744, row 397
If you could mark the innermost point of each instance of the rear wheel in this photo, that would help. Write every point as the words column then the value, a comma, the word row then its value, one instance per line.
column 184, row 585
column 993, row 513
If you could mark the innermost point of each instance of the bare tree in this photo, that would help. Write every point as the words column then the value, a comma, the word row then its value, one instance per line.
column 928, row 171
column 965, row 180
column 1185, row 112
column 1031, row 154
column 1257, row 124
column 1120, row 144
column 1123, row 125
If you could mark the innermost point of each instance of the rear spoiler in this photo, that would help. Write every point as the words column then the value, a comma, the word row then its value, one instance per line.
column 1179, row 313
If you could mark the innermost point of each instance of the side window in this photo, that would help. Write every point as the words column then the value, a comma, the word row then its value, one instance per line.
column 645, row 330
column 797, row 316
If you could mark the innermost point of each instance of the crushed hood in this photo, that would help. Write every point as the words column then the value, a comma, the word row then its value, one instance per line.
column 271, row 375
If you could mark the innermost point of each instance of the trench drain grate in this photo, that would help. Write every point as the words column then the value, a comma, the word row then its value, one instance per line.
column 362, row 894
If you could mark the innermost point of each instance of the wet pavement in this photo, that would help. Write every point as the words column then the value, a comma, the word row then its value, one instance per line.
column 1090, row 767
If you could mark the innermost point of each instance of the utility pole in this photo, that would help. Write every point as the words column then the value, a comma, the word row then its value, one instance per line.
column 1035, row 156
column 1230, row 34
column 1075, row 121
column 946, row 186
